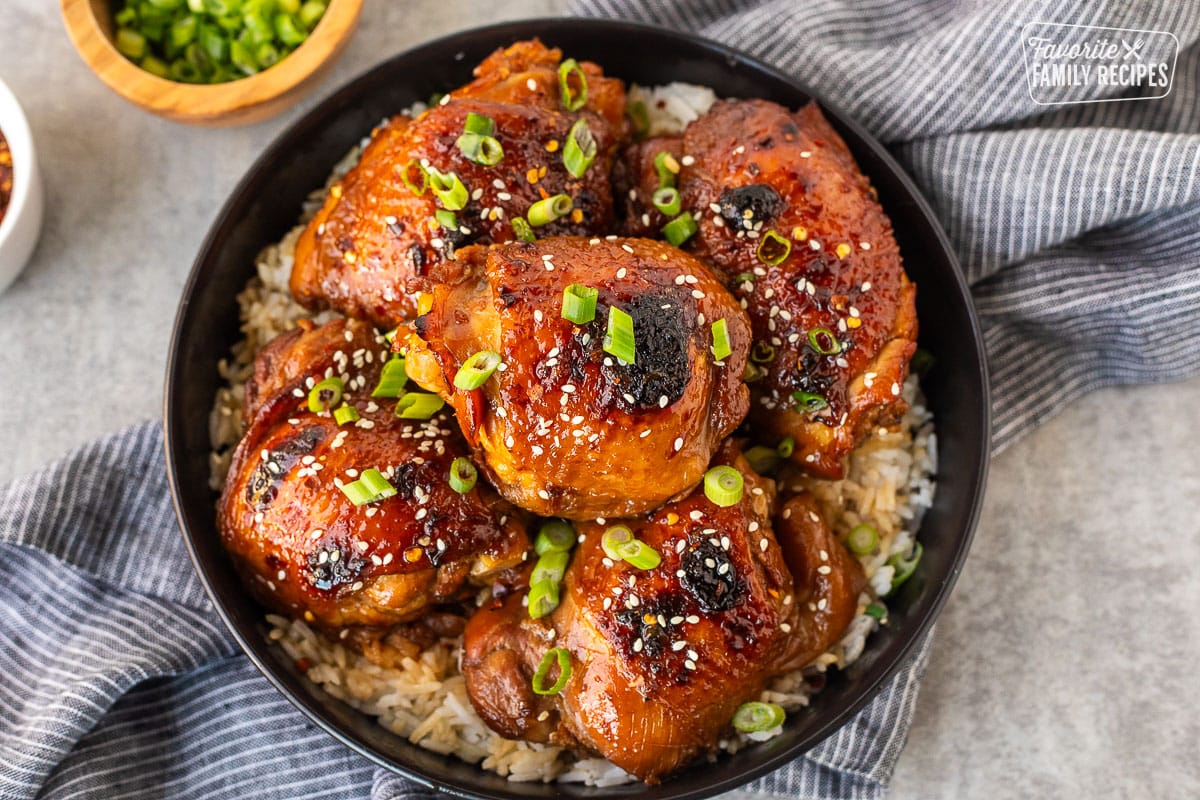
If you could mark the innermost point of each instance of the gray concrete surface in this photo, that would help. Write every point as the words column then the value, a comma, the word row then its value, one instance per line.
column 1065, row 662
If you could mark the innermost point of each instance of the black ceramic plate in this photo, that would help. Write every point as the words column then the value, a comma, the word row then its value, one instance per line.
column 267, row 203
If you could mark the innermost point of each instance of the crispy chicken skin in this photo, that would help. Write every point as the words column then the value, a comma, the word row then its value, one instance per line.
column 661, row 658
column 563, row 428
column 753, row 167
column 301, row 545
column 370, row 249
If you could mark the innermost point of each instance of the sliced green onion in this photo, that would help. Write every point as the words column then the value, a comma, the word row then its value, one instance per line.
column 522, row 230
column 325, row 395
column 286, row 30
column 476, row 370
column 480, row 124
column 449, row 188
column 447, row 219
column 392, row 379
column 154, row 66
column 824, row 342
column 485, row 150
column 131, row 44
column 786, row 447
column 773, row 249
column 555, row 535
column 183, row 32
column 214, row 43
column 808, row 402
column 721, row 348
column 572, row 99
column 563, row 658
column 905, row 567
column 463, row 475
column 418, row 405
column 311, row 13
column 723, row 486
column 126, row 17
column 543, row 212
column 641, row 118
column 242, row 56
column 580, row 149
column 579, row 303
column 763, row 460
column 875, row 610
column 922, row 362
column 543, row 598
column 613, row 538
column 267, row 55
column 753, row 372
column 742, row 277
column 619, row 340
column 551, row 567
column 762, row 353
column 862, row 539
column 639, row 554
column 667, row 168
column 756, row 717
column 185, row 72
column 369, row 488
column 345, row 414
column 680, row 229
column 414, row 186
column 668, row 201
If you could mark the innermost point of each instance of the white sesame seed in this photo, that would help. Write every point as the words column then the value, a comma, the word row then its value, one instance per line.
column 692, row 619
column 689, row 664
column 805, row 154
column 865, row 245
column 678, row 444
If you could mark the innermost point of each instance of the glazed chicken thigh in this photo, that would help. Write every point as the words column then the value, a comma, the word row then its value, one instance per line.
column 301, row 544
column 383, row 227
column 564, row 427
column 661, row 658
column 784, row 211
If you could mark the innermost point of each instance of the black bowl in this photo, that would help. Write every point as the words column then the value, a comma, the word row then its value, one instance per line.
column 266, row 204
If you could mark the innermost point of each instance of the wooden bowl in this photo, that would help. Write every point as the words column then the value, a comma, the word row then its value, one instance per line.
column 91, row 27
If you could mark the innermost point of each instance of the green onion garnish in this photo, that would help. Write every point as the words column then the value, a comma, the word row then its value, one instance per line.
column 762, row 353
column 824, row 342
column 875, row 610
column 922, row 362
column 667, row 168
column 131, row 44
column 418, row 405
column 543, row 598
column 369, row 488
column 862, row 539
column 414, row 185
column 579, row 303
column 613, row 538
column 668, row 201
column 449, row 188
column 563, row 658
column 755, row 717
column 345, row 414
column 786, row 447
column 325, row 395
column 580, row 150
column 808, row 402
column 640, row 116
column 550, row 567
column 742, row 277
column 721, row 348
column 485, row 150
column 555, row 535
column 905, row 567
column 311, row 13
column 476, row 370
column 572, row 99
column 753, row 372
column 522, row 230
column 480, row 124
column 286, row 30
column 543, row 212
column 619, row 340
column 462, row 475
column 447, row 219
column 680, row 229
column 773, row 248
column 639, row 554
column 723, row 486
column 763, row 460
column 392, row 380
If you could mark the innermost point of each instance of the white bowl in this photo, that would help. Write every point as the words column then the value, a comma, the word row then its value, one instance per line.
column 23, row 220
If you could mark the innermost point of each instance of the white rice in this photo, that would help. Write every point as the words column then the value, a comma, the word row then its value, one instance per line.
column 890, row 485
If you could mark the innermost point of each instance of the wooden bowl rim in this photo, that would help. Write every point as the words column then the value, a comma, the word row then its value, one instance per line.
column 185, row 101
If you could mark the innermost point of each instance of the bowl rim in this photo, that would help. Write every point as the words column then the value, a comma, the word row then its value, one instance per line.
column 868, row 687
column 15, row 127
column 187, row 101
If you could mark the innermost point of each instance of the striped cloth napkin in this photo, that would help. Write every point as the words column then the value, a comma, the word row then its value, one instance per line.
column 1078, row 225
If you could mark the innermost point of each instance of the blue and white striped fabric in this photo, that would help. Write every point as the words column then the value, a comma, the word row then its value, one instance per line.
column 1078, row 226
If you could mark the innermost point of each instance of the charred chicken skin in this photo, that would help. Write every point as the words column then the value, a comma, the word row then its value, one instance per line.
column 662, row 658
column 563, row 427
column 370, row 249
column 301, row 545
column 784, row 211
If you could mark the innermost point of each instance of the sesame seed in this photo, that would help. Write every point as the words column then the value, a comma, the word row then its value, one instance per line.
column 678, row 444
column 542, row 493
column 821, row 604
column 677, row 646
column 689, row 664
column 622, row 272
column 762, row 545
column 568, row 387
column 692, row 619
column 805, row 154
column 786, row 628
column 865, row 245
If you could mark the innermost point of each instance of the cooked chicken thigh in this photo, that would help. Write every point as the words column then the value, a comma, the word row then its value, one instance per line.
column 300, row 543
column 369, row 250
column 563, row 427
column 784, row 211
